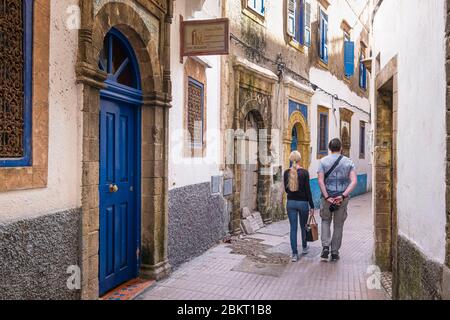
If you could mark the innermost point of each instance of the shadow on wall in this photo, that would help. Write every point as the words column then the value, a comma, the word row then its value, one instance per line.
column 361, row 188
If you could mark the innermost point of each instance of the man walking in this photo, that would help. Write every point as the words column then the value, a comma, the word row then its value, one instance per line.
column 337, row 179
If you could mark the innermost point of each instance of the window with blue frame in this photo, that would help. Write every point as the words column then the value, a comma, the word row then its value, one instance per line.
column 257, row 6
column 16, row 28
column 362, row 70
column 349, row 56
column 323, row 37
column 322, row 148
column 299, row 21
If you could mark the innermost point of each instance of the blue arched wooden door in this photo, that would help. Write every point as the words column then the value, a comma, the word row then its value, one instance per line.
column 119, row 164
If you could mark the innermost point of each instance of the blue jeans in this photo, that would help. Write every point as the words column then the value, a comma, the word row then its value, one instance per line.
column 296, row 209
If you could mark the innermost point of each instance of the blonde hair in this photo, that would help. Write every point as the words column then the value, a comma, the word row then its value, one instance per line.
column 295, row 157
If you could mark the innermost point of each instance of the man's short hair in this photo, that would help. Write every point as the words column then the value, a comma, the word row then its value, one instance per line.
column 335, row 145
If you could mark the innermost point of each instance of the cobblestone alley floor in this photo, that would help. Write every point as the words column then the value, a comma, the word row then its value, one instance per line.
column 258, row 267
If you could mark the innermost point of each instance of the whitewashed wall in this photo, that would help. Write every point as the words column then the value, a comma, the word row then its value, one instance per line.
column 414, row 29
column 188, row 171
column 64, row 173
column 332, row 84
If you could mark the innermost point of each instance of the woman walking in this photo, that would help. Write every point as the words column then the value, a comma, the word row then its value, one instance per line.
column 300, row 203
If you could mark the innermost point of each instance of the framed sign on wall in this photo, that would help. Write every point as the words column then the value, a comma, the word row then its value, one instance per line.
column 204, row 37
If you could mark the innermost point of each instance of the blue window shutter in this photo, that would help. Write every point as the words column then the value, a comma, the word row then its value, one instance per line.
column 257, row 5
column 362, row 73
column 325, row 37
column 323, row 32
column 349, row 58
column 291, row 17
column 301, row 22
column 321, row 36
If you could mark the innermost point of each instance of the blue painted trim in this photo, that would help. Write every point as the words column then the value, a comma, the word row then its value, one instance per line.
column 316, row 193
column 26, row 160
column 295, row 106
column 138, row 187
column 122, row 93
column 252, row 4
column 360, row 189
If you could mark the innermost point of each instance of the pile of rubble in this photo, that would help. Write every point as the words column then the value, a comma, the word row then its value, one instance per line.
column 251, row 222
column 257, row 252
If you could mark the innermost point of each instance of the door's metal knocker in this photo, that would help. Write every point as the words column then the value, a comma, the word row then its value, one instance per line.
column 113, row 188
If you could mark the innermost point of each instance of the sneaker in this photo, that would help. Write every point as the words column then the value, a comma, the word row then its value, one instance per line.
column 306, row 250
column 335, row 257
column 294, row 258
column 325, row 254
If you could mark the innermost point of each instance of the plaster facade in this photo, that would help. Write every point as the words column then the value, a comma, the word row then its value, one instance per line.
column 414, row 230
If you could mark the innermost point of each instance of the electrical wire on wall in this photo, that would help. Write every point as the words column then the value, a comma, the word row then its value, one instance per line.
column 282, row 68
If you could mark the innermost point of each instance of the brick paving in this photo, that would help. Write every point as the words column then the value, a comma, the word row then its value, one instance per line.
column 220, row 275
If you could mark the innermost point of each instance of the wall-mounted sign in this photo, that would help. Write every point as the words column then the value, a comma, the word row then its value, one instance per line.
column 204, row 37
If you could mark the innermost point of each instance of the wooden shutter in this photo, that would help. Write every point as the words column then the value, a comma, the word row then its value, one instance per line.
column 349, row 58
column 325, row 38
column 362, row 72
column 307, row 20
column 320, row 33
column 291, row 8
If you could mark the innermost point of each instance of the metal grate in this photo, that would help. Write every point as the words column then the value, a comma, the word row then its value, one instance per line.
column 195, row 113
column 11, row 79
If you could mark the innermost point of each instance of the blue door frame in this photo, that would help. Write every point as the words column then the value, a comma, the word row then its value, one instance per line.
column 120, row 166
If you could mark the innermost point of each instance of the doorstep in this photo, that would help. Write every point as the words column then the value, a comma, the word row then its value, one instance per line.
column 129, row 290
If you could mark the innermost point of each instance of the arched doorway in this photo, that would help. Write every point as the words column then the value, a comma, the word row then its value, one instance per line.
column 119, row 188
column 250, row 169
column 298, row 138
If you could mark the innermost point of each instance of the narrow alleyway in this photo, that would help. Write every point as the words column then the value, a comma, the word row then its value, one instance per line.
column 260, row 268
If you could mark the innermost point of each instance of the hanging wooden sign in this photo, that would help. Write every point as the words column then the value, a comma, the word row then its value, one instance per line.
column 204, row 37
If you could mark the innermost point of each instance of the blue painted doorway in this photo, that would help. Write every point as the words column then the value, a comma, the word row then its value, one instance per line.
column 119, row 164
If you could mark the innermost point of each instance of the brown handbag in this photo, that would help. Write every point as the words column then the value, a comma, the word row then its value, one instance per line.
column 312, row 230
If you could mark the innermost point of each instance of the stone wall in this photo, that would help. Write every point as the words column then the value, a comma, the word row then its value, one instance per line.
column 196, row 222
column 35, row 254
column 418, row 277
